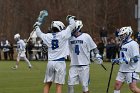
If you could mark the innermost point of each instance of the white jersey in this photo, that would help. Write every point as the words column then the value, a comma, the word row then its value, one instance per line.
column 21, row 46
column 80, row 48
column 57, row 42
column 129, row 50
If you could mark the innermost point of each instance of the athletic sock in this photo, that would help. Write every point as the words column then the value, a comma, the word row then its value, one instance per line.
column 16, row 66
column 70, row 89
column 29, row 64
column 116, row 91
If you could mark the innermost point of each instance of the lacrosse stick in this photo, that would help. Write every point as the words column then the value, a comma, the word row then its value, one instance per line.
column 96, row 60
column 41, row 18
column 44, row 48
column 110, row 77
column 103, row 67
column 133, row 59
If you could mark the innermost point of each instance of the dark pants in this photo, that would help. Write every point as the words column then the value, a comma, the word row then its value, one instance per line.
column 5, row 55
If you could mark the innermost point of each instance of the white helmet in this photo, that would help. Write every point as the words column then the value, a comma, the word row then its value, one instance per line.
column 58, row 24
column 125, row 33
column 79, row 25
column 16, row 36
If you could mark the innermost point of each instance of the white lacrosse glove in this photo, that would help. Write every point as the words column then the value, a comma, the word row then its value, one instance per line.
column 69, row 17
column 97, row 59
column 120, row 60
column 98, row 56
column 37, row 24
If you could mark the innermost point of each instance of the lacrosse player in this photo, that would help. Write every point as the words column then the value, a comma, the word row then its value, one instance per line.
column 81, row 47
column 129, row 61
column 57, row 42
column 21, row 51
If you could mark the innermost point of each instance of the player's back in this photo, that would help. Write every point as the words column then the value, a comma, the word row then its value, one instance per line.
column 57, row 45
column 21, row 45
column 57, row 42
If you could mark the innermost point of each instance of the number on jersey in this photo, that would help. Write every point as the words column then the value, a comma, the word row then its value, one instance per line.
column 55, row 44
column 77, row 51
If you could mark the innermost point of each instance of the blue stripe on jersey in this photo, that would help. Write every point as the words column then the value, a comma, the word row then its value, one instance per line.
column 89, row 80
column 60, row 59
column 132, row 77
column 127, row 42
column 123, row 49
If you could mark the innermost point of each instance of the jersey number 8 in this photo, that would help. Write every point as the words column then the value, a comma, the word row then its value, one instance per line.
column 55, row 44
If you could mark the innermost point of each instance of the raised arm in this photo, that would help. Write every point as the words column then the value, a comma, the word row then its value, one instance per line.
column 39, row 33
column 70, row 28
column 71, row 21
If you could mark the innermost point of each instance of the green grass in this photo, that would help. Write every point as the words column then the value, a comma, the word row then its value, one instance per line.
column 25, row 80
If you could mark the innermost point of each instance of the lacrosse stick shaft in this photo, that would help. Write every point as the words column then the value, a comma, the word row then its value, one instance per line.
column 109, row 78
column 42, row 15
column 30, row 36
column 103, row 67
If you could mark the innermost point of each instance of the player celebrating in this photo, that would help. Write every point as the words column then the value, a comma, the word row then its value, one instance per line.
column 129, row 61
column 21, row 51
column 81, row 47
column 57, row 42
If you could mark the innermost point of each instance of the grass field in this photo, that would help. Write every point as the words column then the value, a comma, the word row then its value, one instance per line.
column 25, row 80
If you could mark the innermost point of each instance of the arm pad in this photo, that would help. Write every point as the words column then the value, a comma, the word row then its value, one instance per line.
column 135, row 59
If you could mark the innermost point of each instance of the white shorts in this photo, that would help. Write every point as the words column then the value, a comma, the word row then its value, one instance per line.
column 22, row 54
column 79, row 74
column 55, row 72
column 127, row 77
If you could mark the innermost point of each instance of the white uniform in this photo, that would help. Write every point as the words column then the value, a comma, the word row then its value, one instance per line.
column 57, row 51
column 128, row 72
column 21, row 48
column 57, row 44
column 80, row 48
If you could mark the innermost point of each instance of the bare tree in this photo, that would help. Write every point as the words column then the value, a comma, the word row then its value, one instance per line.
column 18, row 16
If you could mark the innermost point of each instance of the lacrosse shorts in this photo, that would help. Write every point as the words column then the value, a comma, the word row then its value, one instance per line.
column 127, row 77
column 21, row 55
column 79, row 74
column 55, row 72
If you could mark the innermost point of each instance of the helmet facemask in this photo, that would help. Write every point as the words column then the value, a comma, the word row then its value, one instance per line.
column 123, row 37
column 54, row 29
column 78, row 27
column 125, row 33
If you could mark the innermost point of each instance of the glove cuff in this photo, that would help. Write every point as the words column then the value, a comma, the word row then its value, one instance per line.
column 98, row 56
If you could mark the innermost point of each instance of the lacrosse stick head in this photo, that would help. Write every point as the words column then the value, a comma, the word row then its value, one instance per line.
column 42, row 15
column 44, row 48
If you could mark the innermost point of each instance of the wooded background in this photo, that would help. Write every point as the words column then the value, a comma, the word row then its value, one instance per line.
column 18, row 16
